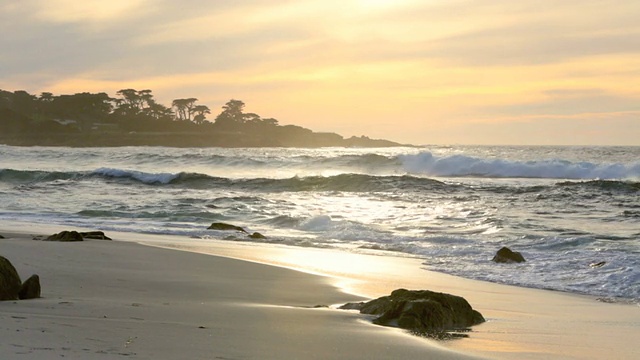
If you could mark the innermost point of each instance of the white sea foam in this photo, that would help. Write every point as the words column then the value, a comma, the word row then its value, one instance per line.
column 462, row 165
column 147, row 178
column 374, row 199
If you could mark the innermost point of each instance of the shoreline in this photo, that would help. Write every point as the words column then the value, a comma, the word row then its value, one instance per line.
column 522, row 323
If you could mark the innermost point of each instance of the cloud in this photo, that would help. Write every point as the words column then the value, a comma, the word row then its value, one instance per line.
column 347, row 64
column 87, row 11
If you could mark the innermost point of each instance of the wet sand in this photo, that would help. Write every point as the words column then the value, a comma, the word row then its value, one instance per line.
column 227, row 300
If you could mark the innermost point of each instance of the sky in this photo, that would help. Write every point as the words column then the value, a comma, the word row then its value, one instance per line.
column 518, row 72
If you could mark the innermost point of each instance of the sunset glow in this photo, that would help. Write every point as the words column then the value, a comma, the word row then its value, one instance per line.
column 410, row 71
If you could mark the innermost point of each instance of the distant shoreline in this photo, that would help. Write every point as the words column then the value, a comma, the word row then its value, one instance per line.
column 181, row 140
column 134, row 118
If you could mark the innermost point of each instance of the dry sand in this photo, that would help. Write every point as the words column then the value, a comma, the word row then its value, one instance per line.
column 113, row 299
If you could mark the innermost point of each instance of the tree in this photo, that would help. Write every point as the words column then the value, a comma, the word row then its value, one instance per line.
column 231, row 117
column 158, row 111
column 45, row 104
column 200, row 112
column 24, row 103
column 184, row 108
column 270, row 122
column 133, row 102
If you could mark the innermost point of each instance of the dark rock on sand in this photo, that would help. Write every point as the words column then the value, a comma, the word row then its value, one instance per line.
column 257, row 235
column 423, row 312
column 9, row 280
column 99, row 235
column 30, row 288
column 505, row 255
column 225, row 227
column 65, row 236
column 75, row 236
column 1, row 237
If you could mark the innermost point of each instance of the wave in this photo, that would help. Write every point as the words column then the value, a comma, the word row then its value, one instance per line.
column 342, row 182
column 609, row 185
column 30, row 176
column 466, row 166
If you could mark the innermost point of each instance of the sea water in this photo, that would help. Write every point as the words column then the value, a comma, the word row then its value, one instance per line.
column 563, row 208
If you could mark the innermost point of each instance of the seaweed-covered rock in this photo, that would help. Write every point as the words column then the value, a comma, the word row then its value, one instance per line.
column 65, row 236
column 99, row 235
column 9, row 280
column 257, row 235
column 423, row 312
column 505, row 255
column 30, row 289
column 225, row 227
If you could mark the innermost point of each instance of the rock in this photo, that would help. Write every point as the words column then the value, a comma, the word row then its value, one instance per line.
column 65, row 236
column 423, row 312
column 9, row 280
column 99, row 235
column 1, row 237
column 598, row 264
column 257, row 235
column 352, row 306
column 505, row 255
column 30, row 288
column 225, row 227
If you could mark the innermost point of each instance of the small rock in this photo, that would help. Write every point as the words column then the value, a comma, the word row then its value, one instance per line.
column 225, row 227
column 505, row 255
column 598, row 264
column 257, row 235
column 30, row 288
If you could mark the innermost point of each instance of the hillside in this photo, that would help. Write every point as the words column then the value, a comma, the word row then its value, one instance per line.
column 134, row 118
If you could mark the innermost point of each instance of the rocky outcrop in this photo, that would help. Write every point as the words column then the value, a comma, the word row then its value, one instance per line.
column 75, row 236
column 505, row 255
column 9, row 280
column 65, row 236
column 11, row 288
column 30, row 289
column 423, row 312
column 225, row 227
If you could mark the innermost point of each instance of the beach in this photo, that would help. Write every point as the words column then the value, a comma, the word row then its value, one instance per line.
column 139, row 297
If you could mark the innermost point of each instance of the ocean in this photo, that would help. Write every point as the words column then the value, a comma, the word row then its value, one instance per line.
column 563, row 208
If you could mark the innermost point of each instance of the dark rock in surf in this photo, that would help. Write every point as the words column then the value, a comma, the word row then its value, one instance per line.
column 505, row 255
column 9, row 280
column 257, row 235
column 65, row 236
column 423, row 312
column 30, row 289
column 1, row 237
column 598, row 264
column 225, row 227
column 98, row 235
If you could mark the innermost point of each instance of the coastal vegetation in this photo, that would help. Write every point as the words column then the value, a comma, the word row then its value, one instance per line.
column 134, row 117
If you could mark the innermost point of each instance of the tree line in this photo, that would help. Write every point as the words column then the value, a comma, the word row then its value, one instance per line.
column 102, row 120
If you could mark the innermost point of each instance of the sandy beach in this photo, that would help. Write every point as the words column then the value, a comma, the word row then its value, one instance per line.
column 224, row 300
